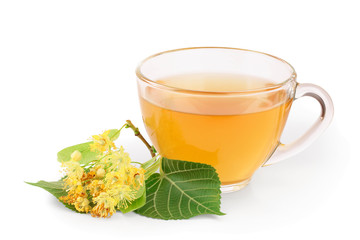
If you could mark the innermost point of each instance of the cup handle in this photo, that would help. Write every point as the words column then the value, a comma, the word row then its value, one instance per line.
column 284, row 151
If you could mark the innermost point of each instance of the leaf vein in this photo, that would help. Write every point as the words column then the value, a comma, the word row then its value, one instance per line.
column 161, row 179
column 188, row 195
column 168, row 201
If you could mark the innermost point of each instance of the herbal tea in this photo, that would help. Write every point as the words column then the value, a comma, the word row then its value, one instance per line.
column 235, row 133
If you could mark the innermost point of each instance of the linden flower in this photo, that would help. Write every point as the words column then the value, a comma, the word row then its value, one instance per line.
column 116, row 160
column 74, row 192
column 96, row 187
column 73, row 180
column 139, row 177
column 114, row 178
column 132, row 176
column 104, row 184
column 119, row 189
column 102, row 142
column 73, row 169
column 124, row 195
column 105, row 206
column 82, row 204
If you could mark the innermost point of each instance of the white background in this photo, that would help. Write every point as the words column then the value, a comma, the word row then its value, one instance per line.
column 67, row 72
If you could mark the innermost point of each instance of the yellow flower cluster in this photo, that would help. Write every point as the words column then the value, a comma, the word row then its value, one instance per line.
column 104, row 185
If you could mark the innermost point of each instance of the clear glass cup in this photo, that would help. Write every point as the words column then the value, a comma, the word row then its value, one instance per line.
column 235, row 131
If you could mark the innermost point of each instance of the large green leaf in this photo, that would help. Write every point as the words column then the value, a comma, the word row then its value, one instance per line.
column 182, row 190
column 55, row 188
column 86, row 154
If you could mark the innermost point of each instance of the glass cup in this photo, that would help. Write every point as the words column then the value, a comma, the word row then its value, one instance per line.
column 226, row 107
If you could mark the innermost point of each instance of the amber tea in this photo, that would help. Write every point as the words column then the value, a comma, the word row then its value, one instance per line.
column 235, row 134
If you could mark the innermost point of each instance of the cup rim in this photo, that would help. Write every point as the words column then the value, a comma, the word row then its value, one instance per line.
column 143, row 78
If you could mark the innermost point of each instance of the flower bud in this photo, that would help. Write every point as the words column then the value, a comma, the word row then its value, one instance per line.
column 100, row 173
column 85, row 202
column 76, row 156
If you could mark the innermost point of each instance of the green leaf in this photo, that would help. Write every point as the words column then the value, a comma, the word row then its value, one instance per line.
column 137, row 203
column 86, row 154
column 56, row 189
column 182, row 190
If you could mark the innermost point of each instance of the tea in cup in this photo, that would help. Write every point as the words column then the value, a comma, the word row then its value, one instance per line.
column 224, row 107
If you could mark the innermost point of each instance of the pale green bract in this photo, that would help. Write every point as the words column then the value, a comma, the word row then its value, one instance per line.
column 84, row 148
column 182, row 190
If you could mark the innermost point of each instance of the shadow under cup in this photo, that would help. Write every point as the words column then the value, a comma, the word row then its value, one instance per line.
column 236, row 130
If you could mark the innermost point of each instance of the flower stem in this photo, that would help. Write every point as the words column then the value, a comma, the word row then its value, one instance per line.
column 138, row 134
